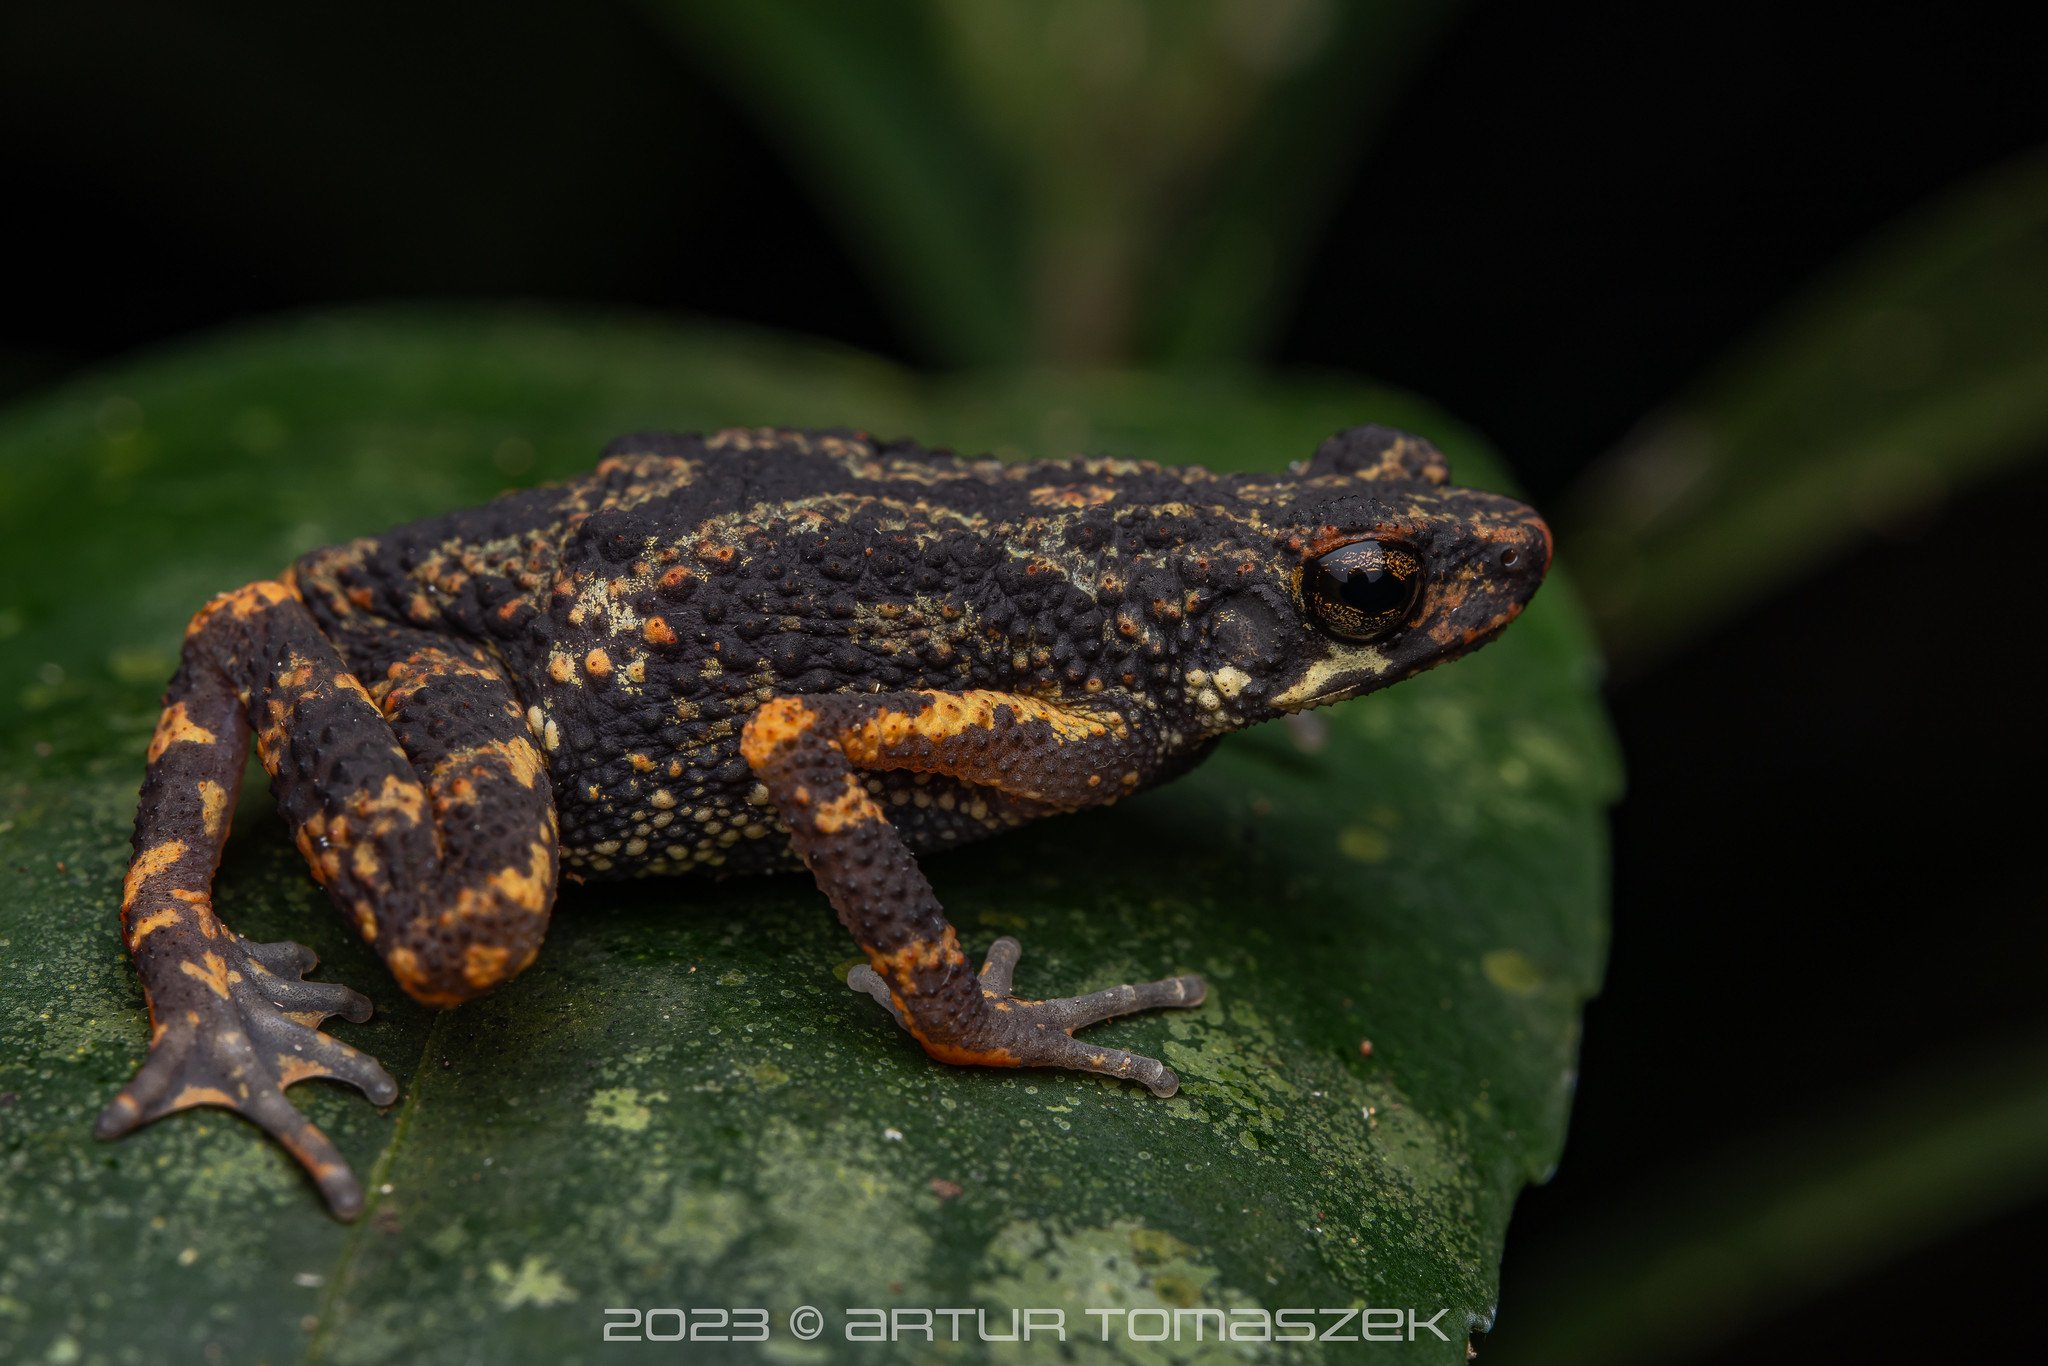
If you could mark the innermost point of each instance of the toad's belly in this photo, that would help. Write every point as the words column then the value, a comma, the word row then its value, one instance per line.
column 731, row 827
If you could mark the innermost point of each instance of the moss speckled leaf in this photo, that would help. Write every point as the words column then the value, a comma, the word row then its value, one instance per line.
column 681, row 1104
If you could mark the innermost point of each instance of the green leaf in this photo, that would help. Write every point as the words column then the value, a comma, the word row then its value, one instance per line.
column 1919, row 366
column 681, row 1104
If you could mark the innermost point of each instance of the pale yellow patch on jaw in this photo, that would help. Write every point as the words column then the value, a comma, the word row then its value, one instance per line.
column 1326, row 679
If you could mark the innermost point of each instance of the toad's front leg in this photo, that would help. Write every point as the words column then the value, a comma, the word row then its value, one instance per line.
column 1037, row 756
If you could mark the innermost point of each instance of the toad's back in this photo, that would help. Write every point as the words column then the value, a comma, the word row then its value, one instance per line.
column 642, row 613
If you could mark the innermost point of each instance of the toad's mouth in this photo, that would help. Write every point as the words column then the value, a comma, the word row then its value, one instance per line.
column 1332, row 680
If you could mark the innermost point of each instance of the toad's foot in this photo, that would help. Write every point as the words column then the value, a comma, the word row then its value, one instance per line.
column 1014, row 1032
column 248, row 1028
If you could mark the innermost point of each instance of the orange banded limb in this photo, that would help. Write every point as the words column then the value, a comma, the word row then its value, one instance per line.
column 423, row 809
column 808, row 753
column 232, row 1023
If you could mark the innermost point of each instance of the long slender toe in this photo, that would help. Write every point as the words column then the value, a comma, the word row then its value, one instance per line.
column 285, row 958
column 997, row 971
column 238, row 1041
column 1073, row 1053
column 1011, row 1031
column 1078, row 1012
column 311, row 1002
column 313, row 1149
column 866, row 979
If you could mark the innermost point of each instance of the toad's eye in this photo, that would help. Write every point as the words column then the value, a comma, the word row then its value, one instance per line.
column 1365, row 590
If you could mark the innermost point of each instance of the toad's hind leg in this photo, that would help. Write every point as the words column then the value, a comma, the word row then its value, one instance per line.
column 232, row 1022
column 425, row 812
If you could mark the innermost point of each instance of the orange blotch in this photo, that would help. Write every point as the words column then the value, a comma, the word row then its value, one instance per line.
column 213, row 804
column 201, row 1095
column 213, row 970
column 850, row 808
column 921, row 955
column 148, row 864
column 175, row 727
column 780, row 721
column 149, row 925
column 293, row 1068
column 484, row 965
column 247, row 601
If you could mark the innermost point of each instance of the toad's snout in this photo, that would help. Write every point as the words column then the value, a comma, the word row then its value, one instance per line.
column 1522, row 550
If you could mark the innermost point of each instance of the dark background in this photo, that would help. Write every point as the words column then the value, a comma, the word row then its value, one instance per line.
column 1823, row 867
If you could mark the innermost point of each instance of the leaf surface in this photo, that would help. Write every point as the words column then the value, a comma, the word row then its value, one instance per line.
column 681, row 1104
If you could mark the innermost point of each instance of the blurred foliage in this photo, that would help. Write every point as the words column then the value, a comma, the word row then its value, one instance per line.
column 687, row 1106
column 1078, row 181
column 1919, row 365
column 1776, row 1219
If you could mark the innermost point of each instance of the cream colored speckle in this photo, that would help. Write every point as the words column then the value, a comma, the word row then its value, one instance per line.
column 533, row 1283
column 1512, row 972
column 620, row 1107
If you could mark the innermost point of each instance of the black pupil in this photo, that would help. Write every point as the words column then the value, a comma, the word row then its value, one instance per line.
column 1371, row 591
